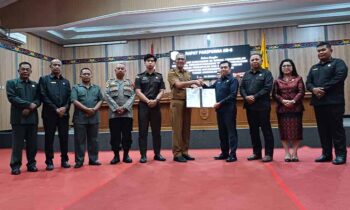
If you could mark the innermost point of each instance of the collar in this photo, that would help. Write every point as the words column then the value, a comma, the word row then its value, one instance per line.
column 53, row 76
column 329, row 61
column 258, row 71
column 150, row 74
column 24, row 81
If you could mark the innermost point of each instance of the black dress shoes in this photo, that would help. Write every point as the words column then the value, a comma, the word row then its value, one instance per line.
column 221, row 157
column 115, row 160
column 143, row 159
column 188, row 157
column 49, row 166
column 32, row 169
column 78, row 165
column 339, row 160
column 323, row 158
column 254, row 157
column 127, row 159
column 65, row 164
column 267, row 158
column 231, row 158
column 180, row 159
column 159, row 157
column 94, row 163
column 16, row 171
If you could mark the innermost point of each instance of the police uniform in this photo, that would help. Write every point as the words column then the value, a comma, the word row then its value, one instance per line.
column 226, row 92
column 180, row 115
column 21, row 94
column 86, row 128
column 259, row 84
column 329, row 109
column 120, row 93
column 150, row 85
column 55, row 93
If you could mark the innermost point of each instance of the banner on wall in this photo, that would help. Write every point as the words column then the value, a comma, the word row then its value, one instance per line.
column 204, row 63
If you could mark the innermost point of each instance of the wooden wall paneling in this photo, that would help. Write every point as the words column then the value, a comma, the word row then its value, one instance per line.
column 33, row 43
column 311, row 34
column 227, row 39
column 51, row 49
column 254, row 37
column 130, row 48
column 337, row 32
column 163, row 67
column 7, row 71
column 303, row 58
column 67, row 53
column 273, row 36
column 190, row 42
column 160, row 45
column 275, row 57
column 343, row 52
column 90, row 52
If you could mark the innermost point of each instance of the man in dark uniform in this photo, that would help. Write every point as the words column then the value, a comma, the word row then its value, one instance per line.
column 87, row 99
column 55, row 94
column 226, row 111
column 180, row 79
column 24, row 96
column 255, row 89
column 149, row 88
column 326, row 82
column 120, row 97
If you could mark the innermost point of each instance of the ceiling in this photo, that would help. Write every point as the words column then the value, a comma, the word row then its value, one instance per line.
column 4, row 3
column 229, row 15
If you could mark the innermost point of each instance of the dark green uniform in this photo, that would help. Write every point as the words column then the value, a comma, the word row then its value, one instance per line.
column 21, row 94
column 86, row 128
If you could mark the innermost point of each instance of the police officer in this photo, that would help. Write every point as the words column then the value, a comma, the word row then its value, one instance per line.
column 24, row 96
column 149, row 88
column 326, row 82
column 179, row 79
column 255, row 89
column 55, row 94
column 120, row 97
column 87, row 99
column 226, row 112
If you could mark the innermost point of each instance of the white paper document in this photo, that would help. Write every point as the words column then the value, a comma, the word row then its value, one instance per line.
column 198, row 97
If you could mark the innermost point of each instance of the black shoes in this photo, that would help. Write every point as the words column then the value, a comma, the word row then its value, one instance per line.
column 115, row 160
column 180, row 159
column 339, row 160
column 254, row 157
column 159, row 157
column 127, row 159
column 143, row 159
column 267, row 158
column 16, row 171
column 49, row 166
column 65, row 164
column 94, row 163
column 231, row 158
column 78, row 165
column 188, row 157
column 323, row 158
column 32, row 169
column 221, row 157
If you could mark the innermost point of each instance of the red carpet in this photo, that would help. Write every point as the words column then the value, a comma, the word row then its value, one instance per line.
column 201, row 184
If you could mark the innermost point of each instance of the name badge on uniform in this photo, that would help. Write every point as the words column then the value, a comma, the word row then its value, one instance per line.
column 144, row 78
column 53, row 82
column 315, row 69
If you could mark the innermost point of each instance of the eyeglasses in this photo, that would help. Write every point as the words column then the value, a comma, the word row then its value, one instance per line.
column 285, row 66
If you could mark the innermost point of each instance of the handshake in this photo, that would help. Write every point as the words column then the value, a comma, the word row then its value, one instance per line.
column 197, row 83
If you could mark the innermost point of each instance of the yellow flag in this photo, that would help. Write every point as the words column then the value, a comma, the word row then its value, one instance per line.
column 263, row 52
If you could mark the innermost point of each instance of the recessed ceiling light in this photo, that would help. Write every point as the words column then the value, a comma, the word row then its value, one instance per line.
column 205, row 9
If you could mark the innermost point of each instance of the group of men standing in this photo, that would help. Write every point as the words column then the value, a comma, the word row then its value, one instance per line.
column 325, row 81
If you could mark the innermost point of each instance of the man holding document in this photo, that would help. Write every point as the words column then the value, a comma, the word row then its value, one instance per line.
column 226, row 111
column 180, row 79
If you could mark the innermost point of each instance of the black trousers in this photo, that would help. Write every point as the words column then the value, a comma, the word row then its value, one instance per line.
column 148, row 116
column 19, row 134
column 120, row 129
column 330, row 129
column 86, row 133
column 256, row 119
column 51, row 122
column 226, row 118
